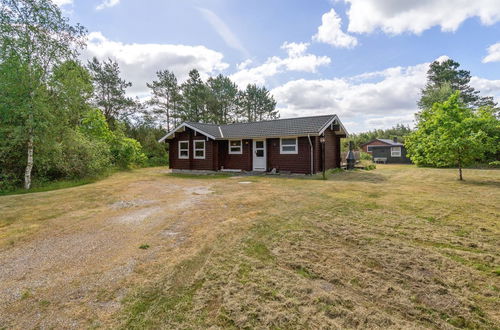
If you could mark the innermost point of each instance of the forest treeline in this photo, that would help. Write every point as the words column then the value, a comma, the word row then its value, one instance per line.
column 61, row 118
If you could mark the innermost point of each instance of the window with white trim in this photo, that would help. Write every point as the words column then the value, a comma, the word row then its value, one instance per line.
column 199, row 149
column 183, row 149
column 369, row 148
column 395, row 151
column 235, row 147
column 288, row 146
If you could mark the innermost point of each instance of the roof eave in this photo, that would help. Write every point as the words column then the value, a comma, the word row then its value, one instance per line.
column 172, row 132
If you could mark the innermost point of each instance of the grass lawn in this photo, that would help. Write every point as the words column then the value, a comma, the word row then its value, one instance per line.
column 396, row 247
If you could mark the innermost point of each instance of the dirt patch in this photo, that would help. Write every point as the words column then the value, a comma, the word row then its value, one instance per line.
column 128, row 204
column 138, row 216
column 77, row 268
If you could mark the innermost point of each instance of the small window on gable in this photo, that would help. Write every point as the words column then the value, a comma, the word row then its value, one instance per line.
column 288, row 146
column 199, row 149
column 235, row 147
column 183, row 149
column 395, row 151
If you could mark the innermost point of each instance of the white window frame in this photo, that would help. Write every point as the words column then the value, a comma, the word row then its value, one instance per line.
column 395, row 151
column 235, row 152
column 369, row 148
column 184, row 149
column 289, row 145
column 198, row 149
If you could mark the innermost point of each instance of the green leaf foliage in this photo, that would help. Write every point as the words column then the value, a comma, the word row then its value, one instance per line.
column 452, row 134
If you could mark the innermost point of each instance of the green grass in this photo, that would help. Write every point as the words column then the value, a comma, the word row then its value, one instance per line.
column 56, row 185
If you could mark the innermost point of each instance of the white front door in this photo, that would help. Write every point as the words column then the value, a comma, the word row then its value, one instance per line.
column 259, row 155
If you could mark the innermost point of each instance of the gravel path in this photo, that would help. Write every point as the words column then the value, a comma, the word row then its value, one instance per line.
column 78, row 264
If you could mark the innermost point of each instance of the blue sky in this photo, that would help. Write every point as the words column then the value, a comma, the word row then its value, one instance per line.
column 362, row 59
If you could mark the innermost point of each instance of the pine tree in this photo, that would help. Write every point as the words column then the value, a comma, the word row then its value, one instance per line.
column 222, row 101
column 166, row 98
column 256, row 103
column 110, row 91
column 443, row 79
column 194, row 99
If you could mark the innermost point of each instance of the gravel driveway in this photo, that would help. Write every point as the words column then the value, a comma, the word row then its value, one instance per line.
column 78, row 264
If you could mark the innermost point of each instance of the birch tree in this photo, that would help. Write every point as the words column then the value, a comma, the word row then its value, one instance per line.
column 37, row 36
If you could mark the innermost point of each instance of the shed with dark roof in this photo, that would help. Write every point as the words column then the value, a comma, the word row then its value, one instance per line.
column 386, row 151
column 284, row 145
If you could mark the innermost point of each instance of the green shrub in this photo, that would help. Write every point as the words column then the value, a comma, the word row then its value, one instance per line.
column 365, row 156
column 494, row 164
column 370, row 167
column 83, row 157
column 127, row 152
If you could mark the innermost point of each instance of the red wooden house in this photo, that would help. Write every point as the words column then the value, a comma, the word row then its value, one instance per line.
column 285, row 145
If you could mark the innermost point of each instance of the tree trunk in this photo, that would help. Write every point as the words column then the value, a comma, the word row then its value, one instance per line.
column 460, row 177
column 29, row 165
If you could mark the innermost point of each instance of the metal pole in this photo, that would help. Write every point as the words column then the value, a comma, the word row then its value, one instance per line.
column 324, row 162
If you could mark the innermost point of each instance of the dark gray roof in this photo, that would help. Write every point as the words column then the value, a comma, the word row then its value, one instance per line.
column 391, row 142
column 269, row 128
column 211, row 129
column 301, row 126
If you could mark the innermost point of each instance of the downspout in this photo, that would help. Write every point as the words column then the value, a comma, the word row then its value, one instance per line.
column 312, row 158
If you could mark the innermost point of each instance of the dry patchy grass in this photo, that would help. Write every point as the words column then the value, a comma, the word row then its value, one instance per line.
column 397, row 247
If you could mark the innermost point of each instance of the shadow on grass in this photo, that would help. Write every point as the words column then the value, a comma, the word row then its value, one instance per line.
column 200, row 176
column 358, row 175
column 490, row 183
column 56, row 185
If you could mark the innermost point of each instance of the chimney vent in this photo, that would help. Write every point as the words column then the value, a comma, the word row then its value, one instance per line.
column 395, row 139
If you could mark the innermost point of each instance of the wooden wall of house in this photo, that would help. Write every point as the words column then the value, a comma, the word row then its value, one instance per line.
column 217, row 155
column 235, row 161
column 332, row 149
column 295, row 163
column 385, row 152
column 209, row 163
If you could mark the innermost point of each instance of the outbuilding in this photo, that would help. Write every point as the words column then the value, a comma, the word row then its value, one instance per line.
column 386, row 151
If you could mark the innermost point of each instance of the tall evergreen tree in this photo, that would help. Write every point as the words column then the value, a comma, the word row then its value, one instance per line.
column 445, row 77
column 222, row 99
column 256, row 103
column 194, row 99
column 110, row 91
column 35, row 35
column 165, row 99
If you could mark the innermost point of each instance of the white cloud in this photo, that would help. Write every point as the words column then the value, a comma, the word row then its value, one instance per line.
column 223, row 30
column 139, row 62
column 371, row 100
column 297, row 60
column 486, row 87
column 61, row 3
column 243, row 65
column 398, row 16
column 493, row 53
column 107, row 4
column 376, row 99
column 330, row 32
